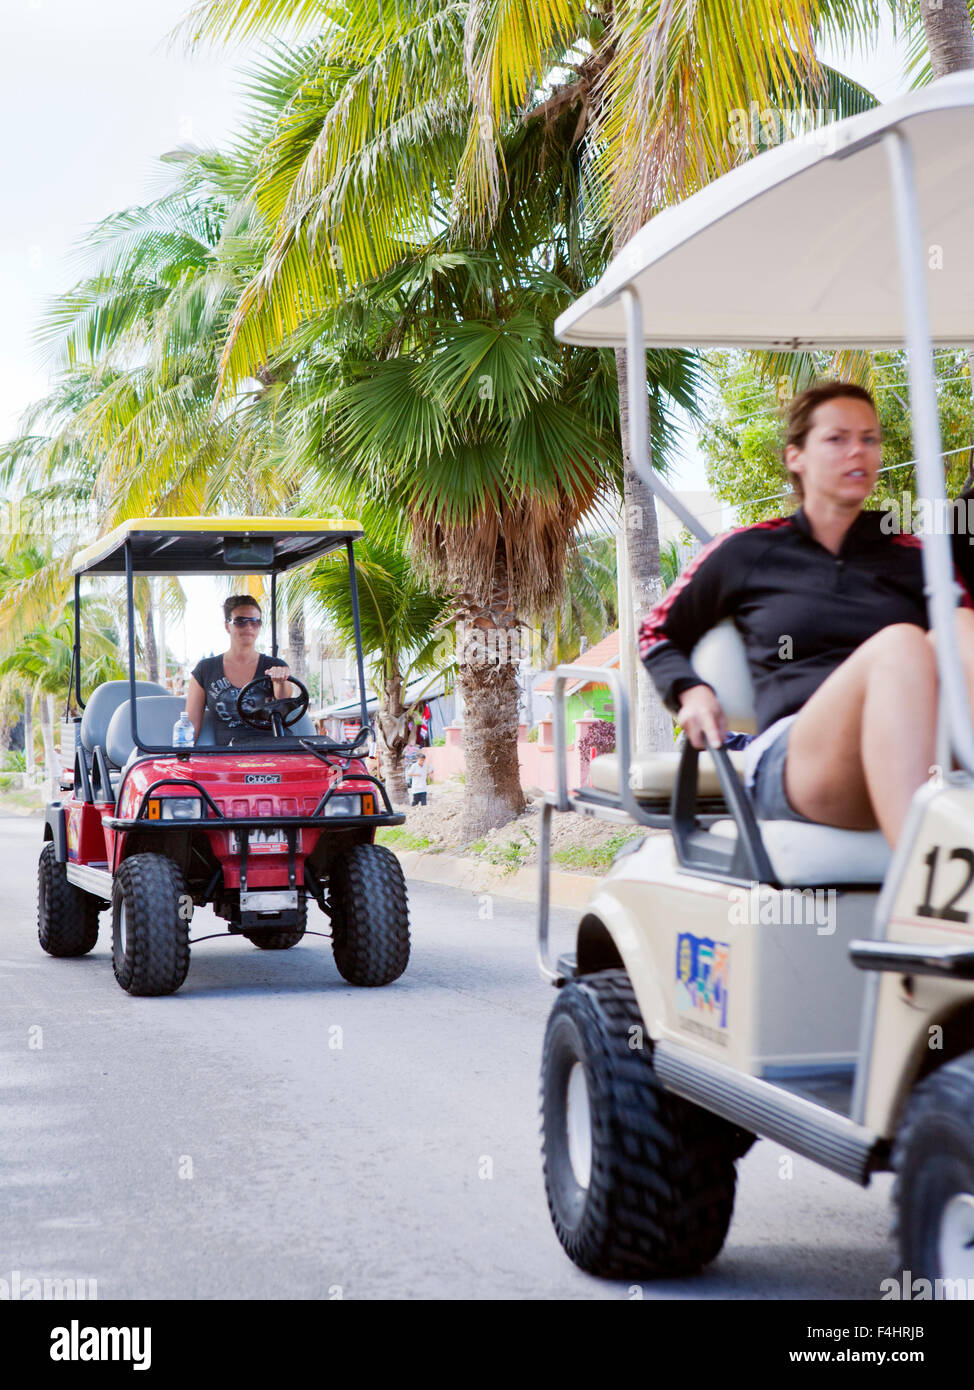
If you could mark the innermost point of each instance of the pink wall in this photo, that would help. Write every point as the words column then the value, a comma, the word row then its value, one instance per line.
column 536, row 760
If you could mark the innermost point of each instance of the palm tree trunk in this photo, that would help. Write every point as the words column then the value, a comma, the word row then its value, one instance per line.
column 29, row 764
column 296, row 647
column 391, row 719
column 52, row 764
column 488, row 651
column 950, row 38
column 652, row 728
column 151, row 650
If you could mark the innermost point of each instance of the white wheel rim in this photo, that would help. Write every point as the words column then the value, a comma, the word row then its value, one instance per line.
column 956, row 1244
column 578, row 1124
column 121, row 931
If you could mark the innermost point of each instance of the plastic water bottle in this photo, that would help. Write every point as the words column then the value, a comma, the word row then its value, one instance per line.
column 183, row 735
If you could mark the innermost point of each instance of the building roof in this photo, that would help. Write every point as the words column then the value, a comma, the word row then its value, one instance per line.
column 351, row 708
column 604, row 653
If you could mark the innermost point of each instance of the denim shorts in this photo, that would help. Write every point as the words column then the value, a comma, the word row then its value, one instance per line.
column 768, row 790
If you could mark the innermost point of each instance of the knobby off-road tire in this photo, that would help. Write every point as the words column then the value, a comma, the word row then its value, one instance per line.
column 283, row 940
column 640, row 1183
column 933, row 1195
column 67, row 917
column 369, row 916
column 150, row 925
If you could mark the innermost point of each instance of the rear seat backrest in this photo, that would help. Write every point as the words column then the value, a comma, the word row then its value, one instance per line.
column 720, row 660
column 156, row 716
column 207, row 738
column 103, row 701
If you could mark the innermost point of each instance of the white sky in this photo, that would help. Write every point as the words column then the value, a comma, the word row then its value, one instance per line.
column 91, row 92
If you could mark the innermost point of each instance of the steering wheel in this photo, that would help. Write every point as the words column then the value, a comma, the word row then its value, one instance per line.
column 259, row 708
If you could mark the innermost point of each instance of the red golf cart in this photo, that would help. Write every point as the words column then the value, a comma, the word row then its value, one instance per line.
column 152, row 831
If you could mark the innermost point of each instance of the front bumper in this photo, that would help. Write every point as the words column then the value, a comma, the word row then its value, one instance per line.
column 256, row 822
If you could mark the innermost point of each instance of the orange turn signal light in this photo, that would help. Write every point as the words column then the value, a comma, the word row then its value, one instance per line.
column 368, row 805
column 155, row 808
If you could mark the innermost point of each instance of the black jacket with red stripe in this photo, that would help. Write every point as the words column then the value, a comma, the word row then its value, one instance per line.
column 800, row 609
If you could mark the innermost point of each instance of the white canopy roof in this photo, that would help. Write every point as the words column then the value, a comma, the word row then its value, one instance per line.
column 797, row 247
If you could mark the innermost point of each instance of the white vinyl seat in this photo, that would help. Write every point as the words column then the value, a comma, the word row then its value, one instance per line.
column 804, row 856
column 652, row 778
column 801, row 855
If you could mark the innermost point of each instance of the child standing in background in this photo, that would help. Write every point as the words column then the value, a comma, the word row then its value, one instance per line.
column 417, row 781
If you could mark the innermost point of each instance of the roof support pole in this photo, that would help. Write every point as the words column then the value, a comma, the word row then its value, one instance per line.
column 76, row 658
column 954, row 733
column 130, row 618
column 353, row 587
column 639, row 416
column 274, row 614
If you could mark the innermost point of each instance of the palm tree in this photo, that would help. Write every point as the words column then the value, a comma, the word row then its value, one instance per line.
column 401, row 619
column 459, row 409
column 41, row 665
column 458, row 412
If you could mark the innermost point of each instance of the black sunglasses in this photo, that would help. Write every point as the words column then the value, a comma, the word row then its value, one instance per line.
column 246, row 622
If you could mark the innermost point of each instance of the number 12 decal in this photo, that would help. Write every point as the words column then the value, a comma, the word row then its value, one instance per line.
column 947, row 913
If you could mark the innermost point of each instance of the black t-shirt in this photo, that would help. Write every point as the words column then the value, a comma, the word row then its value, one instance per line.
column 221, row 698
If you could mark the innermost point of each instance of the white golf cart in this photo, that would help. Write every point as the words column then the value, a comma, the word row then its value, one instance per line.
column 705, row 1004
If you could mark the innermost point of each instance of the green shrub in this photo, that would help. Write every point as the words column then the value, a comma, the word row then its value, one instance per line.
column 533, row 734
column 512, row 855
column 396, row 837
column 598, row 857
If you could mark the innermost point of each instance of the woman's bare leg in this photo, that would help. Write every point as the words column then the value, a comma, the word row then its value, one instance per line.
column 866, row 737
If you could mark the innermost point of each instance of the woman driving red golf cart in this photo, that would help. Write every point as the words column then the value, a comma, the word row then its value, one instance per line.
column 217, row 680
column 832, row 610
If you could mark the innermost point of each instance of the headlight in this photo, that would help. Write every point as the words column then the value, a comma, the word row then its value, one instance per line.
column 344, row 806
column 176, row 808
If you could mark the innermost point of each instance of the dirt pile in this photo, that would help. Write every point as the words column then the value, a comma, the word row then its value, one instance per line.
column 578, row 843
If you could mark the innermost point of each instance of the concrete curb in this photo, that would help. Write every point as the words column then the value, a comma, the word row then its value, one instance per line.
column 567, row 890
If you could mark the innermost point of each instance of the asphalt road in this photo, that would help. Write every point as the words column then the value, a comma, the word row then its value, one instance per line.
column 270, row 1132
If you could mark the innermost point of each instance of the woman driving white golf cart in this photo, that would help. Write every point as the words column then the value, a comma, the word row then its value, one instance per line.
column 217, row 680
column 833, row 615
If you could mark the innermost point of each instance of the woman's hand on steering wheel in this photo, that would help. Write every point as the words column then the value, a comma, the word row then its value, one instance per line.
column 259, row 706
column 701, row 717
column 280, row 675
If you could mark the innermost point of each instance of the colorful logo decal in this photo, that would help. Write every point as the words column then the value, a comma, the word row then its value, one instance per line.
column 701, row 978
